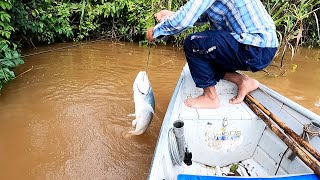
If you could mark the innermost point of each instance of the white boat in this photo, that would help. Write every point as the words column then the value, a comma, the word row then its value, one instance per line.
column 230, row 140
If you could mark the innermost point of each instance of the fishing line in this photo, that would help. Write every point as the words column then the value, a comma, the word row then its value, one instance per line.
column 163, row 63
column 106, row 37
column 93, row 41
column 149, row 47
column 70, row 46
column 147, row 66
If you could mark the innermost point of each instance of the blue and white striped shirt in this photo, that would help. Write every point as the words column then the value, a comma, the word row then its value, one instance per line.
column 246, row 20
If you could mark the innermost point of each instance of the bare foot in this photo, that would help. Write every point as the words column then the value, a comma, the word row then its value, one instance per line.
column 208, row 100
column 245, row 86
column 202, row 102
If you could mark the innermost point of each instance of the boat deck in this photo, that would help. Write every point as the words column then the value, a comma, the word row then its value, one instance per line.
column 219, row 130
column 225, row 90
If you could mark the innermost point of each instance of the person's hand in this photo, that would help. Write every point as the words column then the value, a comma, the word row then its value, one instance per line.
column 150, row 34
column 162, row 15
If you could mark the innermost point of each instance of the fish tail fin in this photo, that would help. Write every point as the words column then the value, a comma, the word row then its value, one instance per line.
column 135, row 132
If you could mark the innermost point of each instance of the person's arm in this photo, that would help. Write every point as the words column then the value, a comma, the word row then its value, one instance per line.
column 184, row 18
column 163, row 15
column 201, row 20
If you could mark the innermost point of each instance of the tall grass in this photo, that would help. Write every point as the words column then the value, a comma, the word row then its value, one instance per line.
column 291, row 18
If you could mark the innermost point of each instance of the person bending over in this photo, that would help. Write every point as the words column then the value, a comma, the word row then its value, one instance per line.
column 242, row 37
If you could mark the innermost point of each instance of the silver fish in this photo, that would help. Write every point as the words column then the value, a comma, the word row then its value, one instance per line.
column 144, row 103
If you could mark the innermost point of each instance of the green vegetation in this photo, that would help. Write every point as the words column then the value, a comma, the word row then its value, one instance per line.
column 297, row 23
column 32, row 22
column 9, row 57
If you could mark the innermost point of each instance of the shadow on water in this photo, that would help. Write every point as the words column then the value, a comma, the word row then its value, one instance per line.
column 67, row 117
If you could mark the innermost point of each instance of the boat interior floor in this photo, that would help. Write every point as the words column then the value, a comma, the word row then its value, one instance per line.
column 229, row 136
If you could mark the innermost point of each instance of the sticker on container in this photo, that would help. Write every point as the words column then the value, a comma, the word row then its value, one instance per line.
column 224, row 140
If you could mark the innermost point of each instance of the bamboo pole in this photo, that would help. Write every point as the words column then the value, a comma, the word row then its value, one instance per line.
column 301, row 153
column 286, row 129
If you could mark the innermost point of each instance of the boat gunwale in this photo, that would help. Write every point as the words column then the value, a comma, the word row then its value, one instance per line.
column 166, row 119
column 291, row 104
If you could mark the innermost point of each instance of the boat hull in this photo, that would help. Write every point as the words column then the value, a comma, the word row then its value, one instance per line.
column 230, row 135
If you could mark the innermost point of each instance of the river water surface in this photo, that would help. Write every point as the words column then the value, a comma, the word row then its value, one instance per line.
column 66, row 118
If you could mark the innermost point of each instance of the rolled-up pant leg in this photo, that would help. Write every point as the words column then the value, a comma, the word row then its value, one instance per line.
column 210, row 54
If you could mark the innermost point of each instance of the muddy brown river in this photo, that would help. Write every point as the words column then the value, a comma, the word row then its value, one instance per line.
column 66, row 117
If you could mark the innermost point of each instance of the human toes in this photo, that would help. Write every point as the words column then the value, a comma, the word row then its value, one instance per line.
column 187, row 102
column 236, row 100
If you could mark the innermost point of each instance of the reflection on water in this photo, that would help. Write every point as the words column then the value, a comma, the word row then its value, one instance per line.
column 67, row 117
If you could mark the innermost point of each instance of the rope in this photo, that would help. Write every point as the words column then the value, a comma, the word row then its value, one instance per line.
column 306, row 129
column 173, row 148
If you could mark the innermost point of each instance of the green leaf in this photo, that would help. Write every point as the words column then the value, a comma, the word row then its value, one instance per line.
column 15, row 54
column 18, row 61
column 7, row 63
column 234, row 167
column 33, row 13
column 5, row 47
column 1, row 75
column 4, row 16
column 9, row 75
column 5, row 5
column 7, row 34
column 8, row 54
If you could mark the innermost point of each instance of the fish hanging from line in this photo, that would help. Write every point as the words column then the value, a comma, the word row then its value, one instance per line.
column 144, row 103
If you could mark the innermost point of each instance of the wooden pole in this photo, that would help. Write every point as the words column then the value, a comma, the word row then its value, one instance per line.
column 301, row 153
column 286, row 129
